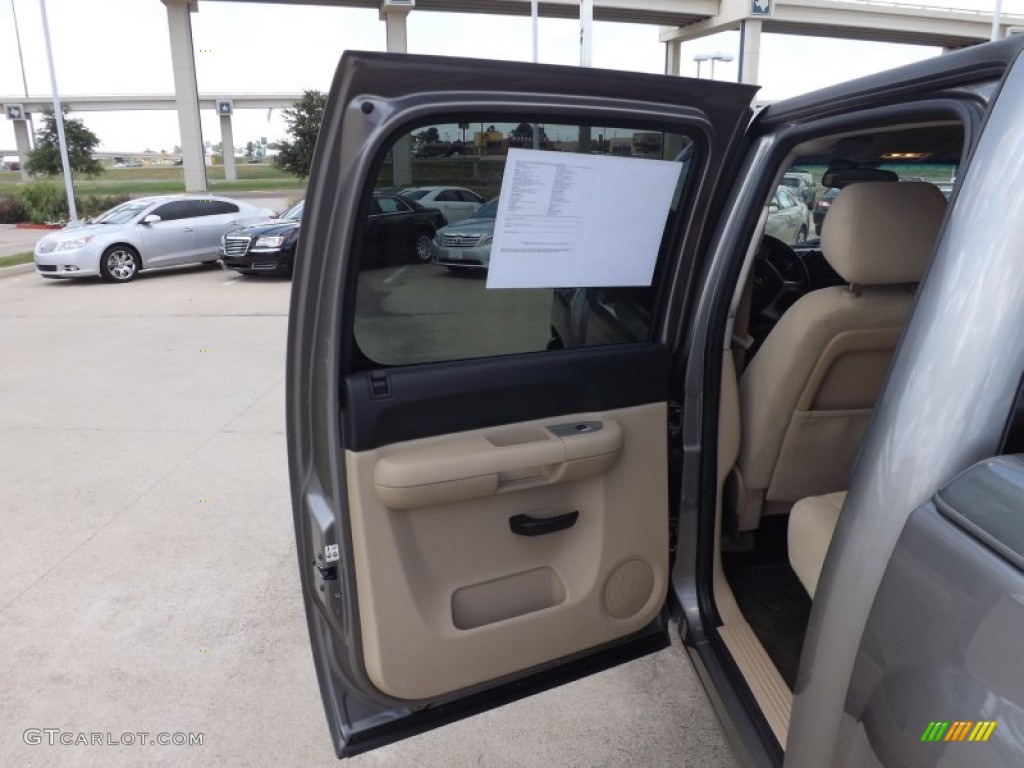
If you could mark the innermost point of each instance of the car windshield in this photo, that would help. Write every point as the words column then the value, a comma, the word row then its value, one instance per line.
column 121, row 214
column 414, row 194
column 488, row 210
column 294, row 213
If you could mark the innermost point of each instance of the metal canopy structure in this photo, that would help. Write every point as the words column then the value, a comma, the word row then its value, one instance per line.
column 679, row 20
column 666, row 12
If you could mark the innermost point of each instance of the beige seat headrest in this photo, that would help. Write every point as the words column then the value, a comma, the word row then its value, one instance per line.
column 881, row 232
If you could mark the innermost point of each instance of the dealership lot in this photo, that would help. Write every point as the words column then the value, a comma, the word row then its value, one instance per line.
column 14, row 240
column 148, row 579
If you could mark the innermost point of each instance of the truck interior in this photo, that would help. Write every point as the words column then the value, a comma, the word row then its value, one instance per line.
column 813, row 329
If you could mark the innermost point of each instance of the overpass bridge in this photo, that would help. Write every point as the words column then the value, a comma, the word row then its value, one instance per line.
column 679, row 21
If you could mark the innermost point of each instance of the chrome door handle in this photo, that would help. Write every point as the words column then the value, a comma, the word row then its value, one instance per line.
column 189, row 229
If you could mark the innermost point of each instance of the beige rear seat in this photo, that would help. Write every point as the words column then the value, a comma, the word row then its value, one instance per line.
column 812, row 522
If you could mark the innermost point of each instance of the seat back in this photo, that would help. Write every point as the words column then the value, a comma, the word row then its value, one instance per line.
column 808, row 394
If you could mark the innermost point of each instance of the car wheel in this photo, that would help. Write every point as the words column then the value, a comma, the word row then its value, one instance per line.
column 119, row 264
column 421, row 247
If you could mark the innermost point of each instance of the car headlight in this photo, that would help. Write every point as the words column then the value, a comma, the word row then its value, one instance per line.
column 70, row 245
column 269, row 241
column 486, row 240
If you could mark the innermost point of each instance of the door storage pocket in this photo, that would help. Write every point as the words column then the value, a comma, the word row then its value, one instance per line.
column 507, row 597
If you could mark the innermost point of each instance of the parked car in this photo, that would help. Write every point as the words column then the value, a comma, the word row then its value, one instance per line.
column 788, row 217
column 266, row 248
column 141, row 234
column 822, row 206
column 398, row 231
column 832, row 526
column 802, row 184
column 455, row 203
column 466, row 246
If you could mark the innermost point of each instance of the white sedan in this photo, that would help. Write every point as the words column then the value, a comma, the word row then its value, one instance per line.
column 141, row 234
column 456, row 203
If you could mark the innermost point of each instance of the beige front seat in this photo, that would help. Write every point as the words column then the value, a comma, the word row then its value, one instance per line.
column 811, row 525
column 806, row 397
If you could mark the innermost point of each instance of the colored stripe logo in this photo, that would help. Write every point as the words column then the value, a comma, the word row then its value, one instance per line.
column 958, row 730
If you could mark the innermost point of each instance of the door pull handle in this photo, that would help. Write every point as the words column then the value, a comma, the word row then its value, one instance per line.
column 527, row 525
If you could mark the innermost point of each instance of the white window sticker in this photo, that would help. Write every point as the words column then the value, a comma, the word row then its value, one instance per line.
column 331, row 553
column 579, row 221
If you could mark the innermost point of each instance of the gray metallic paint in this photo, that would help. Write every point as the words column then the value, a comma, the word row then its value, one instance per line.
column 943, row 408
column 373, row 98
column 948, row 617
column 753, row 740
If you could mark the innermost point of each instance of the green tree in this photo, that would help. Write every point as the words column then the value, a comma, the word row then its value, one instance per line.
column 303, row 120
column 45, row 158
column 429, row 136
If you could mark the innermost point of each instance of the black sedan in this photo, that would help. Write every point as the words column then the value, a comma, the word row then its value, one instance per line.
column 267, row 248
column 397, row 231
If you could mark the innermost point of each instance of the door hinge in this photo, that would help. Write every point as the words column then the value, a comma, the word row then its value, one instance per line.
column 327, row 572
column 675, row 419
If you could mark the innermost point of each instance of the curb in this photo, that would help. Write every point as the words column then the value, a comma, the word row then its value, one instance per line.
column 17, row 269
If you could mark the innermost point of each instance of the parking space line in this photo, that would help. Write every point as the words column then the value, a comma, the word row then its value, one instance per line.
column 396, row 275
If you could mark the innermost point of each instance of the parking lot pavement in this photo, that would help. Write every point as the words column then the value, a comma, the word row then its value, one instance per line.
column 14, row 240
column 148, row 580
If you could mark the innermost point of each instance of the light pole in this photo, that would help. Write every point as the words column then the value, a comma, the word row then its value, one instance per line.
column 717, row 56
column 712, row 57
column 58, row 114
column 24, row 81
column 700, row 58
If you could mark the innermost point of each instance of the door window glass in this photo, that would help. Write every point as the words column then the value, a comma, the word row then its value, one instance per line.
column 389, row 205
column 179, row 209
column 426, row 287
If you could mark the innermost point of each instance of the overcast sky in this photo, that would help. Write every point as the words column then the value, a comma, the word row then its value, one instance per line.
column 121, row 46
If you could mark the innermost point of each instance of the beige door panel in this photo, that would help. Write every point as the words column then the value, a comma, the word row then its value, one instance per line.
column 461, row 468
column 449, row 597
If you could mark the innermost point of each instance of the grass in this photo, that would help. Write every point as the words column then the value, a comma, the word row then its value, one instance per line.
column 159, row 180
column 18, row 258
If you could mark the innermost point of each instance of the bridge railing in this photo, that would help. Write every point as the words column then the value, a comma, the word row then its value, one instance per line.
column 1006, row 18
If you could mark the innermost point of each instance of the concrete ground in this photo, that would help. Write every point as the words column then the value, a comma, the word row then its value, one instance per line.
column 14, row 240
column 148, row 580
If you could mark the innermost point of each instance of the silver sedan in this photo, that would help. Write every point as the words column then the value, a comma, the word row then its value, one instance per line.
column 142, row 234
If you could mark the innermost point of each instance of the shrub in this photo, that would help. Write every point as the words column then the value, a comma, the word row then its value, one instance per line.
column 40, row 203
column 11, row 211
column 43, row 202
column 94, row 205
